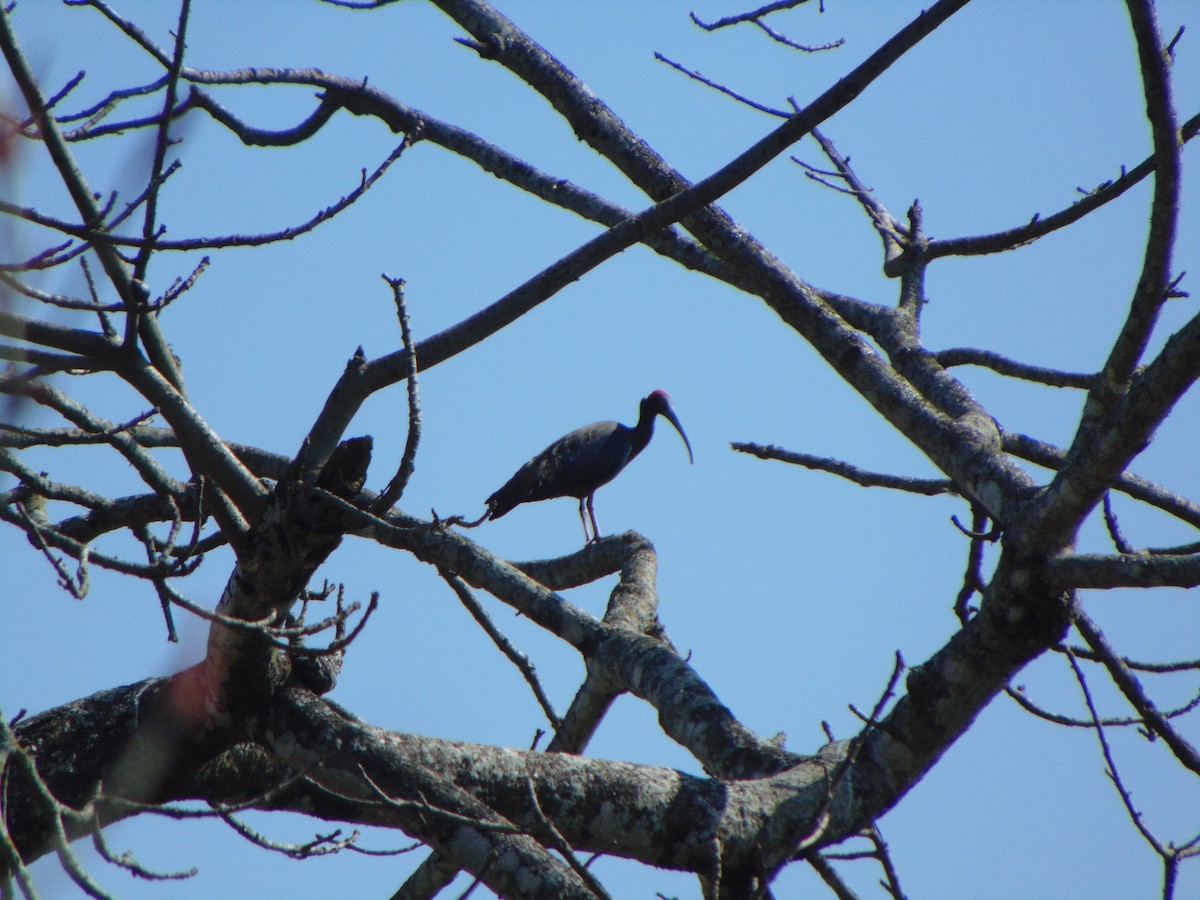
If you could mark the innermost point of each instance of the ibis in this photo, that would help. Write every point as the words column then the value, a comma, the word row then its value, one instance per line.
column 579, row 463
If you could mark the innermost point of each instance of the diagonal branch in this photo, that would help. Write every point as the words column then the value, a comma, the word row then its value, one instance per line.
column 1129, row 685
column 891, row 232
column 395, row 488
column 927, row 486
column 1051, row 457
column 1113, row 428
column 515, row 656
column 1040, row 226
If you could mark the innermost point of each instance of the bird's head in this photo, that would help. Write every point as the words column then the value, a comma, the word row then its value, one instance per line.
column 659, row 404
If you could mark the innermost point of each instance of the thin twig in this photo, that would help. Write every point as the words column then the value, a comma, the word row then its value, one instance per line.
column 883, row 854
column 395, row 489
column 821, row 820
column 76, row 585
column 1039, row 226
column 1132, row 689
column 1113, row 772
column 560, row 843
column 927, row 486
column 515, row 656
column 830, row 876
column 892, row 232
column 795, row 45
column 749, row 16
column 1019, row 696
column 1114, row 527
column 741, row 98
column 320, row 845
column 973, row 580
column 127, row 862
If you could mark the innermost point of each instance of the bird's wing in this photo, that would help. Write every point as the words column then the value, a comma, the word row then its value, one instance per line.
column 573, row 466
column 578, row 463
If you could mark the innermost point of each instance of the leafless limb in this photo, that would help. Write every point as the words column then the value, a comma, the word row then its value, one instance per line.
column 870, row 723
column 758, row 13
column 241, row 240
column 44, row 259
column 276, row 636
column 76, row 585
column 1021, row 698
column 892, row 233
column 973, row 580
column 830, row 876
column 17, row 512
column 970, row 356
column 96, row 229
column 395, row 489
column 127, row 862
column 1129, row 685
column 1167, row 853
column 796, row 45
column 1040, row 226
column 503, row 644
column 15, row 759
column 1088, row 470
column 99, row 110
column 928, row 486
column 28, row 127
column 180, row 566
column 1051, row 457
column 59, row 300
column 117, row 435
column 8, row 850
column 1114, row 527
column 321, row 845
column 560, row 843
column 741, row 98
column 180, row 286
column 883, row 853
column 1101, row 572
column 150, row 229
column 259, row 137
column 1187, row 665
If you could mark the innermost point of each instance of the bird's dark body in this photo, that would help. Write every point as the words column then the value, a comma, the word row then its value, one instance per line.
column 573, row 466
column 580, row 462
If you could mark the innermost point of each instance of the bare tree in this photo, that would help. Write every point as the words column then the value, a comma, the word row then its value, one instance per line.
column 250, row 726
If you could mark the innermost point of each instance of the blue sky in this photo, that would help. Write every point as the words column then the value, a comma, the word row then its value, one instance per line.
column 790, row 589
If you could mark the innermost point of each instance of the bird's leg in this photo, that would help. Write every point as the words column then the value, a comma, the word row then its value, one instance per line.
column 592, row 513
column 586, row 539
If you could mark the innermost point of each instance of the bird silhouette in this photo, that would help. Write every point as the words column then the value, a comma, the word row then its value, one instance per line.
column 579, row 463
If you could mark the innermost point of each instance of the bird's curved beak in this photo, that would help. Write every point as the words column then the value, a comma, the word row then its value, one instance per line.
column 669, row 415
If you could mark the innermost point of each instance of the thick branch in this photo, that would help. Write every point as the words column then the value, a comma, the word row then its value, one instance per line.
column 1134, row 570
column 1112, row 430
